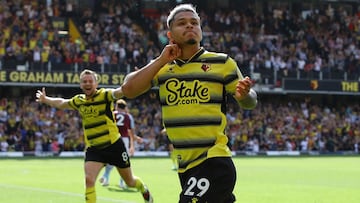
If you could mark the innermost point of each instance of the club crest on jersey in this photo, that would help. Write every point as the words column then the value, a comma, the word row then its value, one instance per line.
column 171, row 69
column 205, row 67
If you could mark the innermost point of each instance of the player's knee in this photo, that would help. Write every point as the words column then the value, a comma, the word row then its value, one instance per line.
column 89, row 181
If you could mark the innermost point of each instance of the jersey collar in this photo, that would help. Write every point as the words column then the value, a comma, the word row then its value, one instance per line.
column 181, row 62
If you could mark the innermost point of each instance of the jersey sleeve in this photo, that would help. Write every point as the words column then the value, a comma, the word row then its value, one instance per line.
column 72, row 102
column 233, row 76
column 110, row 95
column 132, row 121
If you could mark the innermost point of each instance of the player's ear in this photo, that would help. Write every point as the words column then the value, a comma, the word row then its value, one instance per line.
column 171, row 41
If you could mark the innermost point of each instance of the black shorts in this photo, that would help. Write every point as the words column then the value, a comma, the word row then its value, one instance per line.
column 213, row 181
column 115, row 155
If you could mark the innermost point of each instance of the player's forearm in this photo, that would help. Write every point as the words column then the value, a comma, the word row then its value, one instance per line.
column 131, row 141
column 132, row 137
column 137, row 82
column 250, row 101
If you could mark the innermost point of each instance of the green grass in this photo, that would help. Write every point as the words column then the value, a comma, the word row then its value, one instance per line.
column 260, row 180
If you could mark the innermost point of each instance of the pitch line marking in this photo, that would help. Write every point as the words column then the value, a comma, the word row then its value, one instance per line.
column 58, row 192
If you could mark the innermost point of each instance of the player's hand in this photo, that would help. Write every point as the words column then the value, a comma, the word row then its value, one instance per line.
column 41, row 95
column 170, row 52
column 131, row 151
column 243, row 88
column 138, row 139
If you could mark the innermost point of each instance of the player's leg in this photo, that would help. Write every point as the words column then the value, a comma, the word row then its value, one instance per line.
column 121, row 160
column 92, row 167
column 92, row 170
column 122, row 184
column 135, row 182
column 104, row 180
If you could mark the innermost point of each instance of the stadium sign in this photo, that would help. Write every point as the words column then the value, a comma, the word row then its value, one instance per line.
column 23, row 78
column 321, row 86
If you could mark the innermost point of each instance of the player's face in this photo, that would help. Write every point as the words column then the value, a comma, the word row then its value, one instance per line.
column 88, row 84
column 185, row 29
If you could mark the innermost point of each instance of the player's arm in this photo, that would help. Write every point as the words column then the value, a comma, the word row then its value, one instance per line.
column 57, row 102
column 132, row 126
column 137, row 138
column 245, row 95
column 131, row 147
column 138, row 82
column 117, row 93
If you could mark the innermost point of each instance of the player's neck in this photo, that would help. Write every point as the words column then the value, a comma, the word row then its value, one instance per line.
column 91, row 96
column 189, row 51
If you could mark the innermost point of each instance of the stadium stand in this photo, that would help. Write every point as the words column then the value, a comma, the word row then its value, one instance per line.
column 271, row 41
column 331, row 127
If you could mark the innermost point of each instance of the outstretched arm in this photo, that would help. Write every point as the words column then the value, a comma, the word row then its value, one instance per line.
column 137, row 82
column 57, row 102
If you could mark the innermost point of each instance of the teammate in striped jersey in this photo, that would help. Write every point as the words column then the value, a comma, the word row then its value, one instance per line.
column 193, row 87
column 126, row 128
column 103, row 143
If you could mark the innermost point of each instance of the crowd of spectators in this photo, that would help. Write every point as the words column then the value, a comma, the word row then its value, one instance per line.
column 277, row 124
column 284, row 124
column 276, row 41
column 320, row 43
column 108, row 43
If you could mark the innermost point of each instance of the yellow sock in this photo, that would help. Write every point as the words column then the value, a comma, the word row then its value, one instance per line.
column 90, row 195
column 139, row 184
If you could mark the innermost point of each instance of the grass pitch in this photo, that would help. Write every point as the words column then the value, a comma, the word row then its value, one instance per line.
column 260, row 180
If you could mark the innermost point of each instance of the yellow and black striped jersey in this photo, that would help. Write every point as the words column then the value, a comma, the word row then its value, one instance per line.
column 98, row 121
column 193, row 96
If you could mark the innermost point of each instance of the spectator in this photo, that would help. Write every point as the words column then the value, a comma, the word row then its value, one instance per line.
column 4, row 145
